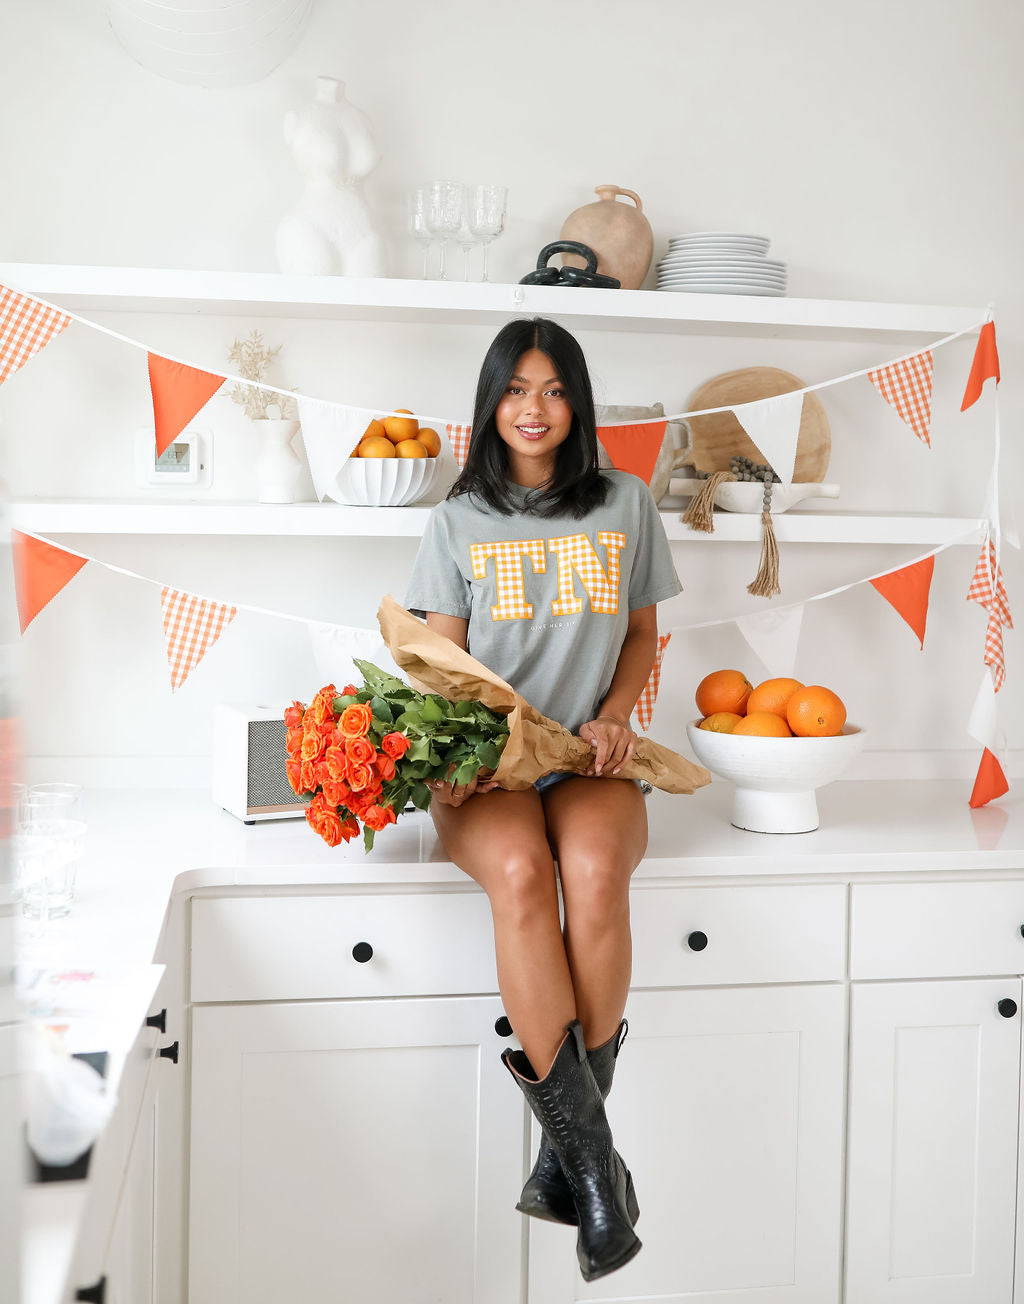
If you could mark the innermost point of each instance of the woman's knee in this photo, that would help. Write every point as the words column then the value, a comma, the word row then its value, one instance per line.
column 520, row 883
column 595, row 890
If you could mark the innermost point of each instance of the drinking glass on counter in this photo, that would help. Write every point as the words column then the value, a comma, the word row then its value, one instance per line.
column 48, row 846
column 486, row 215
column 446, row 203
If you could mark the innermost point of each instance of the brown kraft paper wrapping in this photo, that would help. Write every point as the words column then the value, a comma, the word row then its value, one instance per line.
column 536, row 745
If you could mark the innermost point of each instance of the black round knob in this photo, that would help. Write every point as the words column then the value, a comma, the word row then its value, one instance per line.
column 697, row 941
column 362, row 951
column 1007, row 1007
column 502, row 1027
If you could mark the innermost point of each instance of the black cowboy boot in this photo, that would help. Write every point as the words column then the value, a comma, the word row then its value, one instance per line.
column 546, row 1193
column 567, row 1103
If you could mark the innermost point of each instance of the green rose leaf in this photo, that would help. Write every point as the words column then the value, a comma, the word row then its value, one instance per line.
column 489, row 755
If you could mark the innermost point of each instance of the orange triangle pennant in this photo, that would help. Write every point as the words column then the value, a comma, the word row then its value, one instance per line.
column 906, row 591
column 634, row 448
column 178, row 394
column 40, row 572
column 985, row 364
column 990, row 781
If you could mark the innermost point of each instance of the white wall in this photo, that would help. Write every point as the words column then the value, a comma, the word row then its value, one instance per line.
column 877, row 144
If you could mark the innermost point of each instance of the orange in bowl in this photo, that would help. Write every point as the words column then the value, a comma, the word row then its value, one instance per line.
column 763, row 724
column 721, row 722
column 399, row 428
column 816, row 712
column 430, row 440
column 376, row 446
column 723, row 690
column 773, row 695
column 410, row 448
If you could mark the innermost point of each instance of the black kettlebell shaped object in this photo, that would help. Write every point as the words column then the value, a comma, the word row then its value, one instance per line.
column 589, row 276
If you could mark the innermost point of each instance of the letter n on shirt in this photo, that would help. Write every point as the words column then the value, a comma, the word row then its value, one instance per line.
column 576, row 553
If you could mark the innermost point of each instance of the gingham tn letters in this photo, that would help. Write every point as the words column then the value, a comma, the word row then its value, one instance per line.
column 576, row 556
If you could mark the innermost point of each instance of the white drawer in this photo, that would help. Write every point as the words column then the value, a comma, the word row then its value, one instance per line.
column 936, row 930
column 753, row 934
column 277, row 948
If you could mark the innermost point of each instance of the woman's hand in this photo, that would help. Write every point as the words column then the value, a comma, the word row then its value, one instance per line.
column 613, row 741
column 449, row 793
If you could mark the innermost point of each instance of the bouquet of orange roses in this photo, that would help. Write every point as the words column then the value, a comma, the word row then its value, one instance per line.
column 359, row 756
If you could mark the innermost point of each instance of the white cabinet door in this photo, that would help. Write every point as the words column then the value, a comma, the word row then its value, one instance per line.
column 932, row 1153
column 727, row 1106
column 352, row 1151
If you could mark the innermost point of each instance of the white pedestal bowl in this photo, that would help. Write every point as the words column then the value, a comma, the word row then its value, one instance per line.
column 775, row 778
column 383, row 481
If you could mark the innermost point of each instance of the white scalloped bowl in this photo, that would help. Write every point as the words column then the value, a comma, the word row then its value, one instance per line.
column 775, row 778
column 383, row 481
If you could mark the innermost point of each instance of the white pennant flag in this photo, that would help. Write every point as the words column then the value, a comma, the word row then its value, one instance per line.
column 983, row 725
column 774, row 636
column 773, row 424
column 334, row 646
column 330, row 431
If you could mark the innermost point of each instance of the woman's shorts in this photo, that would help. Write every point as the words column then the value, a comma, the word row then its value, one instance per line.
column 549, row 780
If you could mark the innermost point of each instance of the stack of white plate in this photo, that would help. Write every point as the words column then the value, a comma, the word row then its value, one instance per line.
column 720, row 262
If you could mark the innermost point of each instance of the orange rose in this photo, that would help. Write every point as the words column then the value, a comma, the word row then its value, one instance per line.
column 322, row 706
column 349, row 829
column 307, row 776
column 356, row 720
column 378, row 817
column 293, row 769
column 336, row 792
column 385, row 767
column 360, row 751
column 329, row 829
column 293, row 742
column 359, row 777
column 349, row 690
column 396, row 745
column 337, row 762
column 359, row 802
column 293, row 714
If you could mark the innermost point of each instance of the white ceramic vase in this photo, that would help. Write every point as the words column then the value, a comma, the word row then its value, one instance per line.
column 278, row 465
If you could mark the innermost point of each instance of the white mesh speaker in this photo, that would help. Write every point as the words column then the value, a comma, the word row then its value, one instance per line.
column 249, row 778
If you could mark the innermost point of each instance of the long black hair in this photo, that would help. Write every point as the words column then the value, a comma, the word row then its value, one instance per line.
column 576, row 485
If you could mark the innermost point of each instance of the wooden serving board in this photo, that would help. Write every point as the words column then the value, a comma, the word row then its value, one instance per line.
column 715, row 438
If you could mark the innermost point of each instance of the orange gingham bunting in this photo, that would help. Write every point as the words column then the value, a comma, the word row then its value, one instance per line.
column 907, row 386
column 645, row 703
column 458, row 437
column 191, row 626
column 25, row 327
column 988, row 590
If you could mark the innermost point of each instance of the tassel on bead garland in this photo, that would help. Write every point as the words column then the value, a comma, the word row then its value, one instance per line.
column 700, row 514
column 765, row 583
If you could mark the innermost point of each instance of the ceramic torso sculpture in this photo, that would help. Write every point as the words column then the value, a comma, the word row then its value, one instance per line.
column 331, row 231
column 618, row 233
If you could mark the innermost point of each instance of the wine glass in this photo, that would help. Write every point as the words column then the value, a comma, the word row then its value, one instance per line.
column 445, row 207
column 466, row 238
column 419, row 206
column 486, row 214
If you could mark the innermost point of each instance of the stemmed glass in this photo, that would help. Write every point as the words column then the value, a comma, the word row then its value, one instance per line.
column 446, row 202
column 466, row 238
column 419, row 208
column 486, row 215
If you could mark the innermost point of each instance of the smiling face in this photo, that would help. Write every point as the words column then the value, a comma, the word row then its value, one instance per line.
column 533, row 417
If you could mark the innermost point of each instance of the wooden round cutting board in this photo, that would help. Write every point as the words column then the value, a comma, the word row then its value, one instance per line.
column 717, row 437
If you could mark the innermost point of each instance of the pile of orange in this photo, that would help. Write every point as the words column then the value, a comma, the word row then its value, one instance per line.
column 777, row 708
column 398, row 436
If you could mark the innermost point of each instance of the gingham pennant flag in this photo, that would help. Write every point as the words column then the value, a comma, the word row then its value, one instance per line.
column 907, row 386
column 191, row 626
column 989, row 591
column 26, row 326
column 458, row 437
column 645, row 703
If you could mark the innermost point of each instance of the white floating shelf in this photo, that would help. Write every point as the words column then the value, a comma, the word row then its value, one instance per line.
column 68, row 516
column 268, row 294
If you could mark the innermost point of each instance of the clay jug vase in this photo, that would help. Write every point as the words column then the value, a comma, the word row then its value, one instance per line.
column 619, row 234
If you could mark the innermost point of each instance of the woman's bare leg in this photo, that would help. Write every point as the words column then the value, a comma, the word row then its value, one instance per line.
column 499, row 839
column 598, row 828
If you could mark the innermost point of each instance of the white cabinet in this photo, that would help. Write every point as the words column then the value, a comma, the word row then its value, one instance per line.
column 353, row 1151
column 728, row 1107
column 932, row 1167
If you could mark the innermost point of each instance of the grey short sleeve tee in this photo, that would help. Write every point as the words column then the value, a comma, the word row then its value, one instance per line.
column 547, row 598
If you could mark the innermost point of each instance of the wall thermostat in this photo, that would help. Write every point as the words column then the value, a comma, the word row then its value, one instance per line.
column 187, row 461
